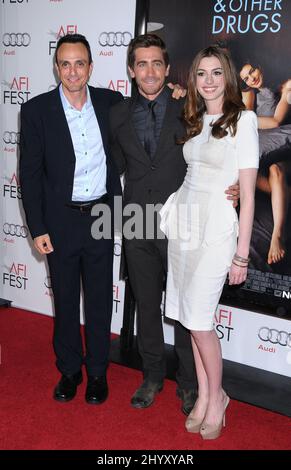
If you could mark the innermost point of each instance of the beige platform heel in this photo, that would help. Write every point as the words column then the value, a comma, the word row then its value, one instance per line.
column 193, row 424
column 213, row 431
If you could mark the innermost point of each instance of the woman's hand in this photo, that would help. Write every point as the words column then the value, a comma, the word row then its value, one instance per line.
column 237, row 274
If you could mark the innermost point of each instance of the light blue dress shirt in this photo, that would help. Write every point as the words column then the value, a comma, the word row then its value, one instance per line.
column 90, row 169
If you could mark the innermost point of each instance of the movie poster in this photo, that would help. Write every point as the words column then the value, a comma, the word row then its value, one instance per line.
column 257, row 35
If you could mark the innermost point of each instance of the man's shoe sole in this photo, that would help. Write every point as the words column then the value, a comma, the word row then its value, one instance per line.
column 95, row 402
column 63, row 400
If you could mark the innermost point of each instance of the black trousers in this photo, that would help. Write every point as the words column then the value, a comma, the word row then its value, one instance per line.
column 147, row 267
column 78, row 257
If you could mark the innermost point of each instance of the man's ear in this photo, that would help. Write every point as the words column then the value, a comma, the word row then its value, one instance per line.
column 91, row 69
column 131, row 72
column 57, row 69
column 167, row 71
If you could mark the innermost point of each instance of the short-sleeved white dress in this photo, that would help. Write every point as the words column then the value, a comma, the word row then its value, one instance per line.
column 201, row 223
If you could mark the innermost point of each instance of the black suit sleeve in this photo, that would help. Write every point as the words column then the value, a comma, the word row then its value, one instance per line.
column 116, row 97
column 115, row 148
column 31, row 169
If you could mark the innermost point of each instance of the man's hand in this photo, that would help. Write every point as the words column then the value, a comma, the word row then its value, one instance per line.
column 178, row 91
column 43, row 244
column 233, row 194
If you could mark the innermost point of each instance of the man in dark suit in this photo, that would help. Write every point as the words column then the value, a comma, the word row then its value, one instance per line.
column 153, row 167
column 65, row 169
column 144, row 145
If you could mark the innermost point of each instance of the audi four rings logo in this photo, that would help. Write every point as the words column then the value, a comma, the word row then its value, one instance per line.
column 16, row 39
column 11, row 137
column 15, row 230
column 275, row 336
column 114, row 39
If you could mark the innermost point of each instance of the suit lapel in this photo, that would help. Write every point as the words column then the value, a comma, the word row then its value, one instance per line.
column 58, row 118
column 101, row 111
column 129, row 131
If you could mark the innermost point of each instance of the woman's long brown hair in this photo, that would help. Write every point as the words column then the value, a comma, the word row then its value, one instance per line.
column 232, row 103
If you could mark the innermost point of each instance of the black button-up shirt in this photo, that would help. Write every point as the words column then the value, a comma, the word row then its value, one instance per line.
column 140, row 113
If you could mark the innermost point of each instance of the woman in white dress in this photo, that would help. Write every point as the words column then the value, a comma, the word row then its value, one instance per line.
column 220, row 147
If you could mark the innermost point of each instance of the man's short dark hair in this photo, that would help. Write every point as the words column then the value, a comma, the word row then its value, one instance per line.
column 72, row 39
column 146, row 40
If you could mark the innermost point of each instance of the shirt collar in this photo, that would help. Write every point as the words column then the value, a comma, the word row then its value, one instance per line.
column 67, row 105
column 161, row 98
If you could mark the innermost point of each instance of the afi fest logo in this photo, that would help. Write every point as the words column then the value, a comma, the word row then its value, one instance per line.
column 18, row 91
column 223, row 320
column 11, row 140
column 62, row 31
column 12, row 189
column 16, row 276
column 13, row 2
column 116, row 289
column 119, row 85
column 116, row 298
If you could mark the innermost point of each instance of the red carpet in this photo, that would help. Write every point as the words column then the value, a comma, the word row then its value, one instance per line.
column 31, row 419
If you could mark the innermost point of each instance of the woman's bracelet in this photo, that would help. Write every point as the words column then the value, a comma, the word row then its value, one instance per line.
column 240, row 265
column 241, row 259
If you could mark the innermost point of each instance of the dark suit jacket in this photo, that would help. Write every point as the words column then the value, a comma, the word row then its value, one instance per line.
column 148, row 181
column 47, row 158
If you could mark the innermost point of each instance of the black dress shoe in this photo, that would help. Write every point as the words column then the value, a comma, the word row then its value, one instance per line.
column 145, row 394
column 188, row 399
column 97, row 390
column 67, row 387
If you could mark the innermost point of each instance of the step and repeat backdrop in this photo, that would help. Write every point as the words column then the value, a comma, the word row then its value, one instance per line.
column 256, row 33
column 29, row 33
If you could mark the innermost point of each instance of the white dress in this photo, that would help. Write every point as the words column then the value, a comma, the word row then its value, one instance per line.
column 201, row 223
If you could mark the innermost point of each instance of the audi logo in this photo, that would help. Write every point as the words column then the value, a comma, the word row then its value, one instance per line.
column 15, row 230
column 114, row 39
column 275, row 336
column 16, row 39
column 11, row 137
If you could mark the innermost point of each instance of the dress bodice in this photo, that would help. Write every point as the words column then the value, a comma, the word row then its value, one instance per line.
column 212, row 163
column 212, row 166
